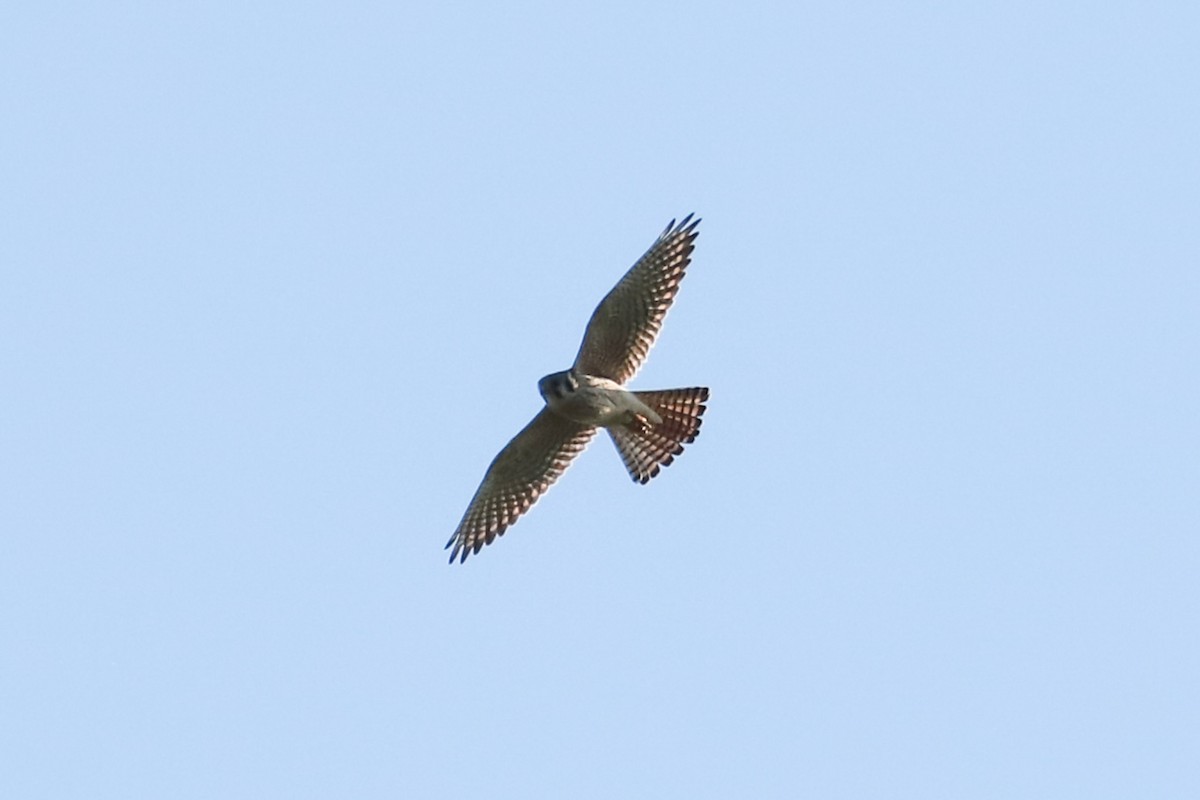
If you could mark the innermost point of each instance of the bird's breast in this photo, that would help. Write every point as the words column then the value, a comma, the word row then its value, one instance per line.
column 600, row 402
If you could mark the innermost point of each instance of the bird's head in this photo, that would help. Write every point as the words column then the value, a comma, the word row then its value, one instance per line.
column 558, row 385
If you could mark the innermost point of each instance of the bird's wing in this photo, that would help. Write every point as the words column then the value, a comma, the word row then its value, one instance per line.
column 623, row 327
column 523, row 470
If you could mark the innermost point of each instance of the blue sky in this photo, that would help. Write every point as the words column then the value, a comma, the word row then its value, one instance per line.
column 278, row 281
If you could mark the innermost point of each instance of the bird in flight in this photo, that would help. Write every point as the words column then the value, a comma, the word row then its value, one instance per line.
column 648, row 428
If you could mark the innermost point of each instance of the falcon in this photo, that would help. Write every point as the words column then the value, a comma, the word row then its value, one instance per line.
column 648, row 428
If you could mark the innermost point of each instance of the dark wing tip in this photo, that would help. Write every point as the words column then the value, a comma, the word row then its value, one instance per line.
column 685, row 225
column 460, row 551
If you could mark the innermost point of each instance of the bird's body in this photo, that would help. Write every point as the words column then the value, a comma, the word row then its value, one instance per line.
column 648, row 428
column 599, row 402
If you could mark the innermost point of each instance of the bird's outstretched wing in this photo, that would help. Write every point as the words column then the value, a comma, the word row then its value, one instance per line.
column 623, row 327
column 517, row 477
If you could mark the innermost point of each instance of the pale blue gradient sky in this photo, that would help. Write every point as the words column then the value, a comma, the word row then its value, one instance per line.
column 278, row 280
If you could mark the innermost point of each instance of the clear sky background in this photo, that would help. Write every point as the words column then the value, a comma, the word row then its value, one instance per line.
column 278, row 281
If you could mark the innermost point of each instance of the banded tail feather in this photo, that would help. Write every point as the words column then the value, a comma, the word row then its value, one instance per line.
column 649, row 448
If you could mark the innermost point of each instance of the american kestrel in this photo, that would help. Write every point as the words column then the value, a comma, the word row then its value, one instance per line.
column 648, row 428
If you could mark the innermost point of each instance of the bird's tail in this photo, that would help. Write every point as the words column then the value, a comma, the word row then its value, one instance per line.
column 652, row 447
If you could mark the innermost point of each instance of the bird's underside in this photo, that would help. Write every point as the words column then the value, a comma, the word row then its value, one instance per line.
column 648, row 429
